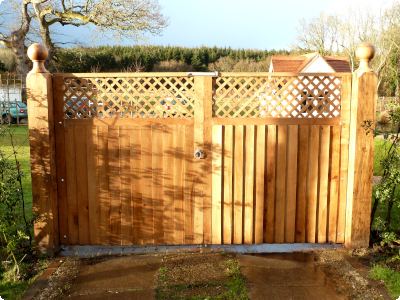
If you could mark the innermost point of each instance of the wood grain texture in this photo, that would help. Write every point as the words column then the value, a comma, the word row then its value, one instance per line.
column 189, row 185
column 259, row 187
column 275, row 121
column 104, row 191
column 334, row 172
column 312, row 184
column 301, row 204
column 114, row 184
column 136, row 185
column 179, row 179
column 82, row 184
column 147, row 185
column 270, row 182
column 168, row 183
column 158, row 189
column 291, row 183
column 238, row 185
column 281, row 163
column 323, row 186
column 216, row 204
column 249, row 186
column 228, row 185
column 125, row 177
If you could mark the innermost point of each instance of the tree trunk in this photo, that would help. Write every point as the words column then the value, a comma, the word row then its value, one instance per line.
column 374, row 208
column 23, row 63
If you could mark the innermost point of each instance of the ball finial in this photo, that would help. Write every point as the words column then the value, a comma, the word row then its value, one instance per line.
column 38, row 54
column 365, row 52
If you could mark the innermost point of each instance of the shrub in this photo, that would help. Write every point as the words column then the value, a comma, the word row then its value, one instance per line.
column 172, row 66
column 384, row 117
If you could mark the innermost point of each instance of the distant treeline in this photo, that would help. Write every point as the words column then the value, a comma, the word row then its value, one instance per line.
column 148, row 58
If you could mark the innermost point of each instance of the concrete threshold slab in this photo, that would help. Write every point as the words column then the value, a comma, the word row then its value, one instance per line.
column 96, row 251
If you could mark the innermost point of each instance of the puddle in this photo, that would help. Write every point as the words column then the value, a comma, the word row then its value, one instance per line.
column 296, row 257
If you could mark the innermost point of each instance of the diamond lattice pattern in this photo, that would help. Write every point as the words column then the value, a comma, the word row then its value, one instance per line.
column 277, row 97
column 144, row 97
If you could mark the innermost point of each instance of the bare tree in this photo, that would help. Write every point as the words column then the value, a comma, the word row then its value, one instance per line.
column 131, row 19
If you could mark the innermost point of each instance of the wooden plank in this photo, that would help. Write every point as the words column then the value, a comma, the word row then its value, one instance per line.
column 291, row 183
column 207, row 176
column 312, row 184
column 128, row 121
column 179, row 177
column 344, row 157
column 275, row 121
column 93, row 185
column 70, row 157
column 104, row 191
column 126, row 201
column 60, row 157
column 43, row 161
column 275, row 74
column 249, row 186
column 323, row 184
column 200, row 91
column 216, row 185
column 270, row 181
column 334, row 170
column 126, row 75
column 114, row 184
column 281, row 162
column 168, row 183
column 158, row 191
column 147, row 185
column 228, row 187
column 82, row 184
column 189, row 185
column 301, row 203
column 136, row 185
column 238, row 185
column 260, row 178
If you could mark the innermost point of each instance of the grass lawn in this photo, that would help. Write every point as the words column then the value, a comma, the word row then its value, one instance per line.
column 21, row 142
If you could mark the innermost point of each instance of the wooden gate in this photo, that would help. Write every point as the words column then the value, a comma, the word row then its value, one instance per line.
column 284, row 157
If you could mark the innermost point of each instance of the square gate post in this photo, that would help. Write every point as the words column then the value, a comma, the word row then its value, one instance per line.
column 43, row 157
column 361, row 150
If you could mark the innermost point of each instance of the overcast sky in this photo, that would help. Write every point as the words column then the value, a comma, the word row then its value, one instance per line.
column 261, row 24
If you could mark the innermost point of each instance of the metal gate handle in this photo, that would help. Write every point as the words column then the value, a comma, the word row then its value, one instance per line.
column 198, row 154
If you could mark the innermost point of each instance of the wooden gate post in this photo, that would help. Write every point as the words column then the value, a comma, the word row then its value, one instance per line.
column 42, row 143
column 361, row 150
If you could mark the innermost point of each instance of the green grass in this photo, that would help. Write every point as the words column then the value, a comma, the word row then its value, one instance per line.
column 381, row 148
column 21, row 142
column 381, row 212
column 390, row 277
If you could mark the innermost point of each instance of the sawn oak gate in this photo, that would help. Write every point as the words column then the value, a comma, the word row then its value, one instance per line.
column 171, row 158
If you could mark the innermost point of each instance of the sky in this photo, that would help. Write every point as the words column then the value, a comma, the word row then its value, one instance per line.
column 249, row 24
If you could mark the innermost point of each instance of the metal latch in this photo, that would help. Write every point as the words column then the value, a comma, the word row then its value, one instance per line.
column 198, row 154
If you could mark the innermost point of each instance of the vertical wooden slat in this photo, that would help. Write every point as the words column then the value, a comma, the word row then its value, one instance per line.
column 291, row 183
column 260, row 177
column 269, row 208
column 228, row 177
column 281, row 161
column 147, row 185
column 70, row 157
column 158, row 191
column 115, row 184
column 126, row 203
column 312, row 183
column 82, row 184
column 249, row 186
column 344, row 156
column 334, row 168
column 323, row 183
column 93, row 184
column 60, row 157
column 216, row 184
column 136, row 185
column 238, row 186
column 179, row 175
column 302, row 162
column 104, row 192
column 199, row 205
column 168, row 183
column 189, row 185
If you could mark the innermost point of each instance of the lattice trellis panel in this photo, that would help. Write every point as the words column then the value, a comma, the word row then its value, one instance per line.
column 148, row 97
column 277, row 97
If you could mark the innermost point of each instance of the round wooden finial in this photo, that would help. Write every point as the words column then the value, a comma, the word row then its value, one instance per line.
column 38, row 53
column 365, row 52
